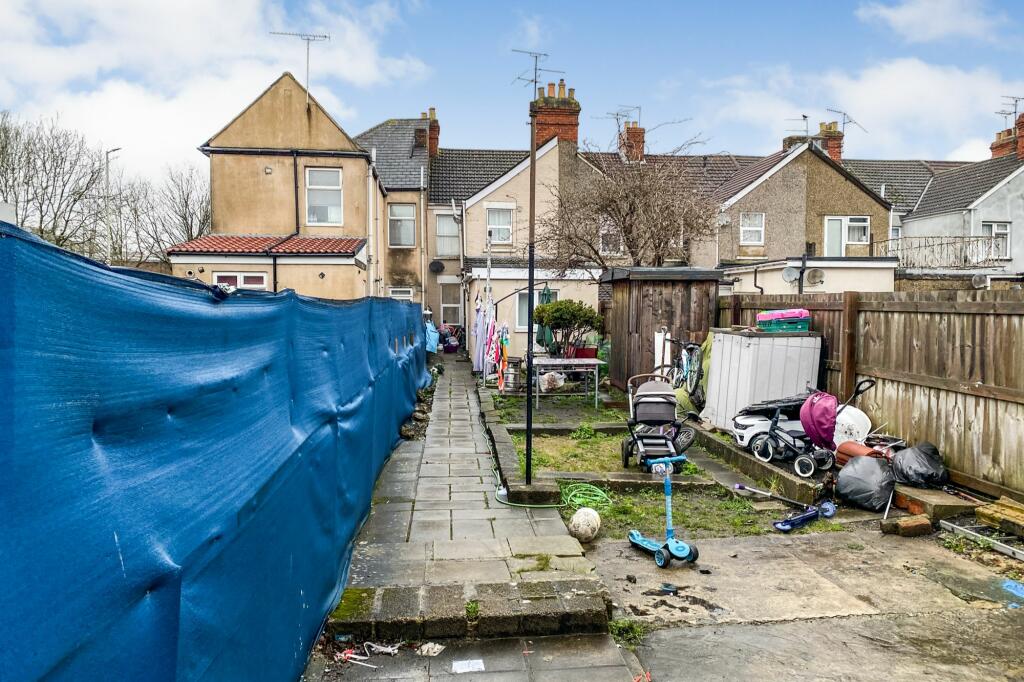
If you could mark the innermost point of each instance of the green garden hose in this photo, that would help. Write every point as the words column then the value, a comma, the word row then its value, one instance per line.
column 574, row 495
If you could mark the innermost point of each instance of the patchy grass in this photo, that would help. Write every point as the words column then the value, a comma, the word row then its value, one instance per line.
column 582, row 450
column 472, row 610
column 981, row 552
column 628, row 633
column 567, row 409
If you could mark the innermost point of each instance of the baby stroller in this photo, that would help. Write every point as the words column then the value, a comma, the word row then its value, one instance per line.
column 811, row 447
column 654, row 429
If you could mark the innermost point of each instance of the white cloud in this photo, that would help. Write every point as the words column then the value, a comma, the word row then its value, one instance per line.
column 920, row 21
column 531, row 32
column 974, row 149
column 158, row 78
column 911, row 108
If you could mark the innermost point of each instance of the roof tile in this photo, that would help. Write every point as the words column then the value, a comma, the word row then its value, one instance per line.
column 260, row 244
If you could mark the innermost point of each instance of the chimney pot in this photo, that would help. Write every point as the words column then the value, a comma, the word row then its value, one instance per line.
column 556, row 116
column 540, row 92
column 423, row 114
column 561, row 88
column 433, row 113
column 1020, row 137
column 572, row 93
column 551, row 89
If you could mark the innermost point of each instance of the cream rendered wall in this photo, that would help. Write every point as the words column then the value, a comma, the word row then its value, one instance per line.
column 452, row 264
column 340, row 282
column 837, row 280
column 401, row 266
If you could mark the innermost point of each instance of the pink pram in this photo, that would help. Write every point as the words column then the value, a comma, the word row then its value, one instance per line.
column 818, row 414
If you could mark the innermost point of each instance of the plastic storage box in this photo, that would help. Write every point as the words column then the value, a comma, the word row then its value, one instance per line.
column 791, row 320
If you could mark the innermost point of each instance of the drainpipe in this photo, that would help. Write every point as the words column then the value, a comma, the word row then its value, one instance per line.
column 803, row 269
column 369, row 221
column 757, row 286
column 423, row 240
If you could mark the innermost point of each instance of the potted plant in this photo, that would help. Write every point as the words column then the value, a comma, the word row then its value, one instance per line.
column 570, row 322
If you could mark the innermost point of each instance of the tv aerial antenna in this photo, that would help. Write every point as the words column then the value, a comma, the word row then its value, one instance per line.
column 1012, row 101
column 537, row 58
column 807, row 126
column 846, row 118
column 309, row 38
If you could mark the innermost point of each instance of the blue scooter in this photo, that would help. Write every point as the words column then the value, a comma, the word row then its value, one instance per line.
column 671, row 548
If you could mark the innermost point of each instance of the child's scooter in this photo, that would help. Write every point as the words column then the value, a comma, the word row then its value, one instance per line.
column 826, row 509
column 671, row 548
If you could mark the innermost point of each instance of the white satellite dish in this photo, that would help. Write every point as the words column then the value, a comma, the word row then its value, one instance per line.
column 979, row 281
column 790, row 274
column 815, row 276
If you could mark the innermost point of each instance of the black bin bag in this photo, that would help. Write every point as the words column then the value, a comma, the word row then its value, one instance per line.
column 867, row 482
column 920, row 466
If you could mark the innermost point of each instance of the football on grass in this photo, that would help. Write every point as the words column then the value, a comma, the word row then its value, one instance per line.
column 584, row 524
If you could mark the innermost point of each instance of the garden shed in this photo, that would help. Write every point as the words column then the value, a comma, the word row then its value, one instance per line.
column 685, row 300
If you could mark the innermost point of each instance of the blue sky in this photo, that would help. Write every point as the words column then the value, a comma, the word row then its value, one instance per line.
column 923, row 77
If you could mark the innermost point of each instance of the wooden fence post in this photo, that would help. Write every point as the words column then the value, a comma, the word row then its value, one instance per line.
column 848, row 352
column 737, row 311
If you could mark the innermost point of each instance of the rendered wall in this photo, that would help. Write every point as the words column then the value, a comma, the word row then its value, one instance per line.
column 183, row 476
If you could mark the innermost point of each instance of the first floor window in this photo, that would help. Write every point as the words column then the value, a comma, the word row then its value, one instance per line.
column 447, row 235
column 323, row 196
column 610, row 241
column 896, row 231
column 400, row 293
column 451, row 304
column 499, row 225
column 402, row 225
column 1000, row 233
column 858, row 230
column 751, row 229
column 241, row 280
column 522, row 313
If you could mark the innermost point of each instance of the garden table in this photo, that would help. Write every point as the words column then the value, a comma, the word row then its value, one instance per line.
column 587, row 365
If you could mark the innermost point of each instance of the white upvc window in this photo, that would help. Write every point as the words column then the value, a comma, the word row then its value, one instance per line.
column 896, row 231
column 499, row 224
column 858, row 230
column 241, row 280
column 324, row 197
column 751, row 229
column 522, row 298
column 1000, row 233
column 402, row 225
column 447, row 235
column 451, row 304
column 610, row 241
column 400, row 293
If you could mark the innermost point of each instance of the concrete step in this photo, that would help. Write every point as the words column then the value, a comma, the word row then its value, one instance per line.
column 934, row 504
column 535, row 607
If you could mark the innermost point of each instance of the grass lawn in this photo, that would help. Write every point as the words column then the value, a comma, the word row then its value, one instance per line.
column 571, row 409
column 583, row 450
column 704, row 514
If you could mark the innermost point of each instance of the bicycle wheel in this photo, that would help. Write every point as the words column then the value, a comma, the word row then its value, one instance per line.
column 693, row 368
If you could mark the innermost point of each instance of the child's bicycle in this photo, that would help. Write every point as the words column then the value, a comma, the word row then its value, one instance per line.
column 686, row 370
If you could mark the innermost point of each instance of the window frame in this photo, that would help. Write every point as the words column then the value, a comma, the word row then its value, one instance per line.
column 437, row 235
column 846, row 230
column 241, row 278
column 457, row 306
column 600, row 241
column 511, row 208
column 397, row 297
column 762, row 229
column 341, row 194
column 1006, row 231
column 392, row 245
column 521, row 327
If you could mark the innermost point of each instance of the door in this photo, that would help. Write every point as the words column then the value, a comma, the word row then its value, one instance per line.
column 834, row 237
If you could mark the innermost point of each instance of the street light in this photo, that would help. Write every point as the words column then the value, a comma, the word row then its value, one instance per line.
column 106, row 205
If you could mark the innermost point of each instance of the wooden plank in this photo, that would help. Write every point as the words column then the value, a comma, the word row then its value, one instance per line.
column 954, row 307
column 973, row 389
column 848, row 350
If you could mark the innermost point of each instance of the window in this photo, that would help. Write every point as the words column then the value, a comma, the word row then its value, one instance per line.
column 858, row 230
column 896, row 232
column 499, row 225
column 323, row 196
column 610, row 242
column 451, row 304
column 402, row 225
column 241, row 280
column 522, row 313
column 1000, row 233
column 447, row 235
column 400, row 293
column 751, row 229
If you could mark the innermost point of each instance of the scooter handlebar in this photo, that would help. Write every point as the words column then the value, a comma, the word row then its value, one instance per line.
column 667, row 460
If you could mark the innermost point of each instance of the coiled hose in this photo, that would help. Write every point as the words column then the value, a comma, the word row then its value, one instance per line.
column 574, row 496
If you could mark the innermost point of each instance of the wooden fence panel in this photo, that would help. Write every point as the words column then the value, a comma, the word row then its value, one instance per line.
column 949, row 367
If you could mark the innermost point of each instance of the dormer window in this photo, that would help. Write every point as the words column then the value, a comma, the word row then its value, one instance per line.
column 324, row 197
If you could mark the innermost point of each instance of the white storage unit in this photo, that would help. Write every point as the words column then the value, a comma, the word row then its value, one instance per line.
column 749, row 367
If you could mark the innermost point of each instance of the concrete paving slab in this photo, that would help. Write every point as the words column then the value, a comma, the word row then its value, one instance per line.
column 471, row 529
column 430, row 530
column 462, row 572
column 554, row 545
column 432, row 515
column 550, row 527
column 470, row 549
column 580, row 652
column 513, row 528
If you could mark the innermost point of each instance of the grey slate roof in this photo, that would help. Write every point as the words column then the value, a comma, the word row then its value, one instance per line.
column 504, row 262
column 904, row 181
column 708, row 171
column 747, row 175
column 460, row 173
column 398, row 160
column 957, row 189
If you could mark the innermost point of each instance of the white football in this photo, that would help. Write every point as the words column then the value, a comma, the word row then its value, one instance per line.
column 585, row 524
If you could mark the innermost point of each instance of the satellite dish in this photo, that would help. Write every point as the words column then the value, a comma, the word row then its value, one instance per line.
column 979, row 281
column 815, row 276
column 436, row 266
column 790, row 274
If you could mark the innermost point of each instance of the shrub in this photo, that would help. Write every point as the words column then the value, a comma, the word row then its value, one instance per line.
column 569, row 321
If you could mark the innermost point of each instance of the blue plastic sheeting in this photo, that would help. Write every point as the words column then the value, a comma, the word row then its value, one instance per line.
column 182, row 478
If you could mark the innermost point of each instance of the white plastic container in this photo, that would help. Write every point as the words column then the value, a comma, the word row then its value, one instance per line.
column 750, row 367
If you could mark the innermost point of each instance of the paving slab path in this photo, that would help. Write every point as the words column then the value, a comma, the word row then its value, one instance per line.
column 439, row 556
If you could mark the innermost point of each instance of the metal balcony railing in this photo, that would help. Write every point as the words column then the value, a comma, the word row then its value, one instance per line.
column 955, row 253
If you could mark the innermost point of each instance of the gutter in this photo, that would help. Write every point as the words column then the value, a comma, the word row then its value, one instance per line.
column 263, row 151
column 423, row 239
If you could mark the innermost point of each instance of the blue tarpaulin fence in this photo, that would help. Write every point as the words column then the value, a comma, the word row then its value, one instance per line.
column 182, row 477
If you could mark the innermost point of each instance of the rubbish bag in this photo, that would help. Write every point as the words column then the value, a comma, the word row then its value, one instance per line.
column 552, row 381
column 920, row 466
column 867, row 482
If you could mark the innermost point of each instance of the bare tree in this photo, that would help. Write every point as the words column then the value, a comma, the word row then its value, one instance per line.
column 615, row 208
column 183, row 211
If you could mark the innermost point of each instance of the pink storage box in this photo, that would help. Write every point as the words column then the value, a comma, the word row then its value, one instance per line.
column 791, row 313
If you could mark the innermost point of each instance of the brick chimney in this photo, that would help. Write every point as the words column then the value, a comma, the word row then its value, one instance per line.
column 631, row 141
column 558, row 114
column 831, row 140
column 1020, row 136
column 1010, row 141
column 435, row 133
column 419, row 135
